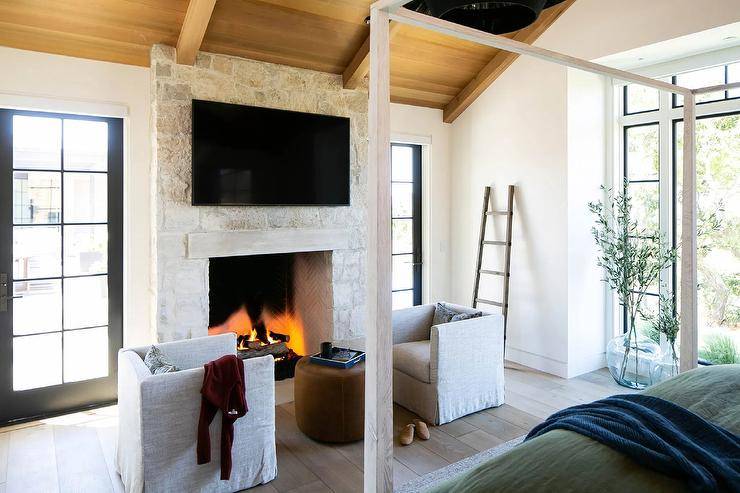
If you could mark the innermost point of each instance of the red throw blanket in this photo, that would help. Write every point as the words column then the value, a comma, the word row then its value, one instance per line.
column 223, row 388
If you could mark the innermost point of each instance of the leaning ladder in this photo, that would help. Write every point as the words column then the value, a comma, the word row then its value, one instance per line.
column 506, row 273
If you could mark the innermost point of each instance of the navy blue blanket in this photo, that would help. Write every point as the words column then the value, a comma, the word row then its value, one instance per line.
column 657, row 434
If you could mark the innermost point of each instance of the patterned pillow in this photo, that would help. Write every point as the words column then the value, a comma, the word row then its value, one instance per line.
column 157, row 362
column 444, row 314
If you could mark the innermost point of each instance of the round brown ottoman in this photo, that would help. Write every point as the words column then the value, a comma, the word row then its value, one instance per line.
column 330, row 402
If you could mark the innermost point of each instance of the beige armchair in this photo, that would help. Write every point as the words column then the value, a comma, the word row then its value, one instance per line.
column 442, row 372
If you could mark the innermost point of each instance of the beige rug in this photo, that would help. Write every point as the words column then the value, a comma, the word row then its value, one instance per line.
column 434, row 478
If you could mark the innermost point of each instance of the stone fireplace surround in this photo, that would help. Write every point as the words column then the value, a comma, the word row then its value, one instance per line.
column 185, row 237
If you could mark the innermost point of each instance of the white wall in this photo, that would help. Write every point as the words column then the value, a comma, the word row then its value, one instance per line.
column 57, row 83
column 411, row 123
column 517, row 133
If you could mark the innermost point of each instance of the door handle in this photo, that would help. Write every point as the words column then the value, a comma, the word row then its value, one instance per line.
column 4, row 292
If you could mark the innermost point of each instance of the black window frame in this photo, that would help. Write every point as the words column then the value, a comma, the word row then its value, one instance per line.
column 416, row 218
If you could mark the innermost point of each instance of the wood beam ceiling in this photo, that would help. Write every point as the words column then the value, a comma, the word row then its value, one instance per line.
column 193, row 30
column 500, row 63
column 359, row 67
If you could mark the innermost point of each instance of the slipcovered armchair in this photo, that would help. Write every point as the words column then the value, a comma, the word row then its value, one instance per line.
column 158, row 421
column 442, row 372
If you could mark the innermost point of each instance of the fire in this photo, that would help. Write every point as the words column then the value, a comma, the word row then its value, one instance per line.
column 286, row 323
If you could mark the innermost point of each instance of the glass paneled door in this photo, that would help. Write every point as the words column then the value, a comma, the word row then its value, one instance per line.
column 61, row 197
column 406, row 224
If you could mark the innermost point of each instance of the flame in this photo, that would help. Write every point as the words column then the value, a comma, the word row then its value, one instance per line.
column 286, row 323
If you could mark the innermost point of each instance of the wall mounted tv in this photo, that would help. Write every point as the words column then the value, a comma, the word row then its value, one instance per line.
column 244, row 155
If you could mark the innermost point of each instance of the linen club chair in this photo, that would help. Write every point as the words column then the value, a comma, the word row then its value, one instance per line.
column 158, row 421
column 442, row 372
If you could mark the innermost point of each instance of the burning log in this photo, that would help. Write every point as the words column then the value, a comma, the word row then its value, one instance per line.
column 276, row 350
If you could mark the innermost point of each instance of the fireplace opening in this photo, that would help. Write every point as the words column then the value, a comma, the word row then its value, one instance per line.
column 269, row 302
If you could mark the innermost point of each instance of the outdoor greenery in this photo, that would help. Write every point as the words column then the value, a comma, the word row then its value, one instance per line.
column 718, row 252
column 719, row 349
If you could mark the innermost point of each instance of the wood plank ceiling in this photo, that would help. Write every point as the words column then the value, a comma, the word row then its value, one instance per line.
column 427, row 69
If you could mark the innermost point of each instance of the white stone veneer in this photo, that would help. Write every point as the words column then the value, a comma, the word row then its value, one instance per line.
column 180, row 284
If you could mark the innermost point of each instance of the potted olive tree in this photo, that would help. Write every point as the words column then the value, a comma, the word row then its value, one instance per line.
column 632, row 258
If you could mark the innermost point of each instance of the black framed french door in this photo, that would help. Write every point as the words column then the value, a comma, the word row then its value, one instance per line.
column 61, row 262
column 406, row 224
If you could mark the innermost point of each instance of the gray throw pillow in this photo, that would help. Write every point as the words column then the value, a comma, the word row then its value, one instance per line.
column 157, row 362
column 444, row 314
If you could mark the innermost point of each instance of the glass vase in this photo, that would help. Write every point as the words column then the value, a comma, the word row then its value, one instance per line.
column 631, row 360
column 664, row 369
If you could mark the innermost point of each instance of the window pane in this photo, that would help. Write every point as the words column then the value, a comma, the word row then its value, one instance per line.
column 37, row 197
column 39, row 309
column 702, row 78
column 37, row 142
column 718, row 222
column 402, row 236
column 641, row 98
column 401, row 163
column 85, row 302
column 403, row 272
column 85, row 145
column 733, row 75
column 85, row 354
column 402, row 195
column 643, row 159
column 402, row 299
column 37, row 361
column 37, row 251
column 85, row 250
column 85, row 197
column 645, row 207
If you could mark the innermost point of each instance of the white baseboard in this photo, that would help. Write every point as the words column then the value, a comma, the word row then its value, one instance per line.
column 586, row 364
column 537, row 361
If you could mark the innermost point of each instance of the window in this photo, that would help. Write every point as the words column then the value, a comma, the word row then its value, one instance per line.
column 406, row 224
column 650, row 160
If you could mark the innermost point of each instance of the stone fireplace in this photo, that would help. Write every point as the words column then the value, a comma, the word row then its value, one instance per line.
column 189, row 240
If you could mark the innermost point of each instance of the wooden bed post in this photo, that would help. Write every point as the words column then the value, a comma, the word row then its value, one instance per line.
column 378, row 459
column 689, row 337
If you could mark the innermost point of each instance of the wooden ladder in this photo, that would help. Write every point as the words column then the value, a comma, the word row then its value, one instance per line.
column 506, row 272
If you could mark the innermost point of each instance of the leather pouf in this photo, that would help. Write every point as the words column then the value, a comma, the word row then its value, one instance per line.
column 330, row 402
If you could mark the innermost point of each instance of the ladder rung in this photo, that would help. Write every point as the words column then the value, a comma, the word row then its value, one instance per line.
column 505, row 243
column 498, row 213
column 489, row 302
column 494, row 272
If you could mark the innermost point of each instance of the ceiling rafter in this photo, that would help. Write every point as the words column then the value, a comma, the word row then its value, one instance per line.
column 193, row 30
column 359, row 67
column 500, row 62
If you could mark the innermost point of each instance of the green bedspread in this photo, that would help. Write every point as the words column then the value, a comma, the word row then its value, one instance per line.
column 563, row 461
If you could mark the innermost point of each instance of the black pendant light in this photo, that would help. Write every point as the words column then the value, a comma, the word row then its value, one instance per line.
column 496, row 17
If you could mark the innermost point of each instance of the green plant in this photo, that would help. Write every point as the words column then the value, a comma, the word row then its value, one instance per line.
column 666, row 322
column 720, row 349
column 632, row 257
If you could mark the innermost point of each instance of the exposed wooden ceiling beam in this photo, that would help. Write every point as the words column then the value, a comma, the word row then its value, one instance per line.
column 193, row 29
column 359, row 67
column 500, row 62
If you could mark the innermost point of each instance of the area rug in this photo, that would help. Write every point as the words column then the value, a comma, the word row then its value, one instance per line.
column 434, row 478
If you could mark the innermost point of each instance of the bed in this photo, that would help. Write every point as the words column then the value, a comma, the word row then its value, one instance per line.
column 562, row 461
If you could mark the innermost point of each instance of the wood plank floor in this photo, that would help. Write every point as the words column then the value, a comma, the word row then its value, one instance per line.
column 74, row 453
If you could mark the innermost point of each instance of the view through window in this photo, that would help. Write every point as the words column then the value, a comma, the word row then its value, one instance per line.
column 652, row 133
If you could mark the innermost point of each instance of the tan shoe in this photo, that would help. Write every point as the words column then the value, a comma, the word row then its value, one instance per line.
column 422, row 430
column 407, row 435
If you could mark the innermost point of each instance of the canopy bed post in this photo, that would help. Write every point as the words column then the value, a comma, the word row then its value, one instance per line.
column 689, row 328
column 378, row 459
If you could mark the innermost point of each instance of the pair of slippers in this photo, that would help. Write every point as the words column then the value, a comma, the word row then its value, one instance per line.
column 418, row 427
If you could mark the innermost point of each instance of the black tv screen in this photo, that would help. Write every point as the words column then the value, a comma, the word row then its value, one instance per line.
column 244, row 155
